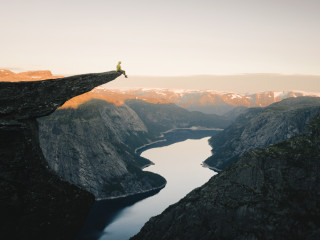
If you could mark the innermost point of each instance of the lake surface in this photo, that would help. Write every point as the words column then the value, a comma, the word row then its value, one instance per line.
column 180, row 165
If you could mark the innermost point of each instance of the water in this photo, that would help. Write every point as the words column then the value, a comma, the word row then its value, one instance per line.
column 180, row 165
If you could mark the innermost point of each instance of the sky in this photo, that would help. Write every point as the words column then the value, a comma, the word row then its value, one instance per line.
column 161, row 38
column 240, row 83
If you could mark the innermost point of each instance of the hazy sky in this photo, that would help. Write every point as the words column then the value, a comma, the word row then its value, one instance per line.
column 244, row 83
column 161, row 38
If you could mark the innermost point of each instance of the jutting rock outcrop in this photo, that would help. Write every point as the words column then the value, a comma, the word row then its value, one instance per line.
column 36, row 203
column 273, row 193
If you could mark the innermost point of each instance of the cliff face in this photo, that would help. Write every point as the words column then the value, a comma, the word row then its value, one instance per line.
column 162, row 117
column 35, row 202
column 273, row 193
column 93, row 146
column 261, row 127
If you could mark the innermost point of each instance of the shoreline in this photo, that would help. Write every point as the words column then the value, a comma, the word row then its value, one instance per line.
column 162, row 138
column 138, row 194
column 148, row 144
column 105, row 210
column 211, row 168
column 194, row 129
column 145, row 147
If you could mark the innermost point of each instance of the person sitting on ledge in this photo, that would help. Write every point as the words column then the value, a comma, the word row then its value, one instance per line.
column 120, row 70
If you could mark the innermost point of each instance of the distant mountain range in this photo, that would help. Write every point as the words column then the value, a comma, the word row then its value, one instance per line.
column 206, row 101
column 9, row 76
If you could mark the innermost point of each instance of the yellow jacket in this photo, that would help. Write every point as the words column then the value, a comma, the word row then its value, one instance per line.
column 119, row 67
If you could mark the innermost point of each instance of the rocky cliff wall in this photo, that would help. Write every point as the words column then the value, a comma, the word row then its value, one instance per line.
column 93, row 146
column 261, row 127
column 273, row 193
column 35, row 202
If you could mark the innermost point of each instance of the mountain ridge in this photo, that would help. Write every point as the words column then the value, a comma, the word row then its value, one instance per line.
column 206, row 101
column 261, row 127
column 9, row 76
column 271, row 193
column 94, row 145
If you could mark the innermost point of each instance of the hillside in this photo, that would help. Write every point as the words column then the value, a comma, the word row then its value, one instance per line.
column 261, row 127
column 93, row 146
column 162, row 117
column 272, row 193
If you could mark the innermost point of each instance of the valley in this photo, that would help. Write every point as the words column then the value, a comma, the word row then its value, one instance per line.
column 175, row 163
column 270, row 193
column 101, row 156
column 264, row 145
column 160, row 120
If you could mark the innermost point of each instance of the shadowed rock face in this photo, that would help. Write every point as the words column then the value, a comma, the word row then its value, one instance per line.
column 273, row 193
column 101, row 156
column 260, row 127
column 25, row 100
column 35, row 203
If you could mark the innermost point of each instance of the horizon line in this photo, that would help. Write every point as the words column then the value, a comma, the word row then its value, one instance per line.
column 20, row 70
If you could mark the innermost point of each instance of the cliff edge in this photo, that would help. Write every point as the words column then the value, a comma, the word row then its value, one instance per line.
column 36, row 203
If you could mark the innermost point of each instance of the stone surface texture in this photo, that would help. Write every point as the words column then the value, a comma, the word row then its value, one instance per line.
column 272, row 193
column 35, row 202
column 261, row 127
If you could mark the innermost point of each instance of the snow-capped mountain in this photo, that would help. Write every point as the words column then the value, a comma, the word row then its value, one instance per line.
column 207, row 101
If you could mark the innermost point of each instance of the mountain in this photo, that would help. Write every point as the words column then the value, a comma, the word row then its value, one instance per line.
column 162, row 117
column 206, row 101
column 93, row 145
column 35, row 202
column 9, row 76
column 261, row 127
column 272, row 193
